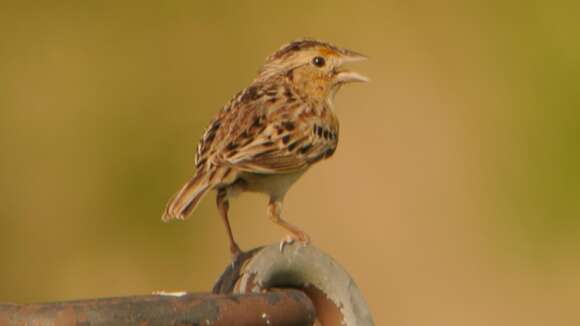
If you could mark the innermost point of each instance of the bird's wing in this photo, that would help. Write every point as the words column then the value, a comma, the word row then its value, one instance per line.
column 269, row 131
column 284, row 146
column 285, row 138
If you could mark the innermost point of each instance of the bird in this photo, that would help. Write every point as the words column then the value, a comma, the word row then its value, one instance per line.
column 269, row 134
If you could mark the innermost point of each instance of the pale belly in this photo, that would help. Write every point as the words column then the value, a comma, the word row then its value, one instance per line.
column 274, row 185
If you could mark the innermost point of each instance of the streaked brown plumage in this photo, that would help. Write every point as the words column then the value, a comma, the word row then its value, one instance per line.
column 268, row 135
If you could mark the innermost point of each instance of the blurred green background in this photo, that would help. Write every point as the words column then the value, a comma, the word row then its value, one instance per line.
column 457, row 174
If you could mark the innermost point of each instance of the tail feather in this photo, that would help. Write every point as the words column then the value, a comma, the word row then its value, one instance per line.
column 185, row 201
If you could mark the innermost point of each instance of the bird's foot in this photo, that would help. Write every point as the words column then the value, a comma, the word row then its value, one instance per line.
column 288, row 240
column 301, row 237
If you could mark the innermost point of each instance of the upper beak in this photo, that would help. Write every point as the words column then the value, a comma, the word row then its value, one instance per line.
column 345, row 76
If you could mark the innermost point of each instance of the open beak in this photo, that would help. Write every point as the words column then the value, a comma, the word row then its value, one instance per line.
column 345, row 76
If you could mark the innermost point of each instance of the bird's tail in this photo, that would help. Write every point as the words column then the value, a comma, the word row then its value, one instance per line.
column 185, row 201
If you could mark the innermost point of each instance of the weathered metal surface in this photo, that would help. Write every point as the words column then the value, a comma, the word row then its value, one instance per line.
column 337, row 299
column 253, row 290
column 285, row 307
column 226, row 282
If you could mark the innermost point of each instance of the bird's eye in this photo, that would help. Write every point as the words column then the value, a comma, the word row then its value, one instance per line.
column 318, row 61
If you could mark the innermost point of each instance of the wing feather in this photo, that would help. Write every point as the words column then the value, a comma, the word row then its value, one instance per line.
column 268, row 130
column 272, row 152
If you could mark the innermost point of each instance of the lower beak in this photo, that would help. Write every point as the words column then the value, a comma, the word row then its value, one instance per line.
column 349, row 77
column 345, row 76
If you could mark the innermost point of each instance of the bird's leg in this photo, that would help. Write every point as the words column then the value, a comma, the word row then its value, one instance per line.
column 274, row 212
column 223, row 205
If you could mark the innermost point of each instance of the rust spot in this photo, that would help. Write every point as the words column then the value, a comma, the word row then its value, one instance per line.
column 326, row 311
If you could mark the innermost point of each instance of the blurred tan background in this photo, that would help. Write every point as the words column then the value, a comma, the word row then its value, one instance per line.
column 453, row 199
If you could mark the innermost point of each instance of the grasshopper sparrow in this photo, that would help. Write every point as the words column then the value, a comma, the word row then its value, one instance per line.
column 270, row 133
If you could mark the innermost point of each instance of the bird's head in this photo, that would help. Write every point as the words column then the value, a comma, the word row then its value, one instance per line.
column 314, row 68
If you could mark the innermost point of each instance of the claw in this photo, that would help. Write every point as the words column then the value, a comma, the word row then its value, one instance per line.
column 302, row 239
column 288, row 240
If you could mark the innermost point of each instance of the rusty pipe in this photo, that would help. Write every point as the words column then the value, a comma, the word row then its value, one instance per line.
column 283, row 307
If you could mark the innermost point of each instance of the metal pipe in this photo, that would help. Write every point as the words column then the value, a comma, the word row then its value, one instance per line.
column 283, row 307
column 334, row 293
